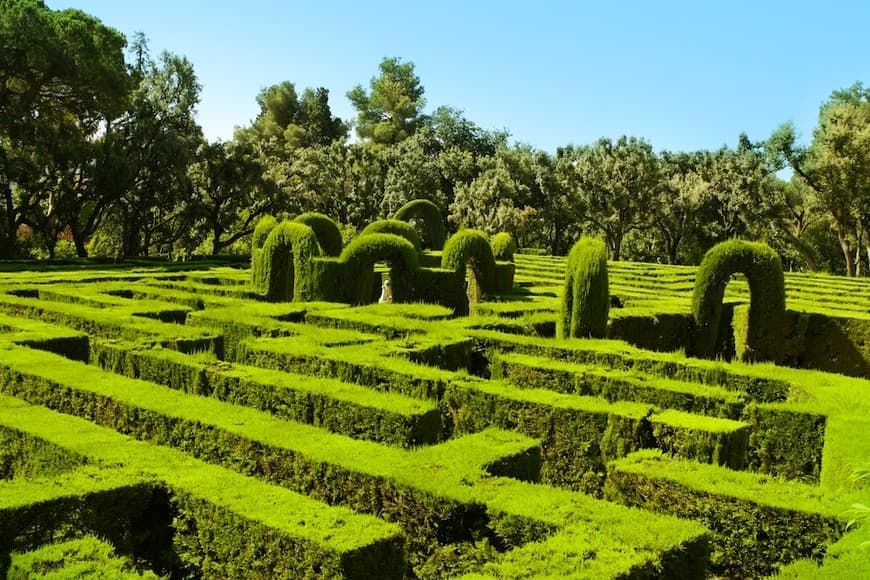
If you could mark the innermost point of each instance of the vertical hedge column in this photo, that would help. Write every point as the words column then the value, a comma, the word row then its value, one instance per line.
column 586, row 295
column 763, row 268
column 258, row 275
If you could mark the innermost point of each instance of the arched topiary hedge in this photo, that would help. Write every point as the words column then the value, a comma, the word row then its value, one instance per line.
column 434, row 232
column 326, row 230
column 763, row 269
column 396, row 227
column 586, row 294
column 285, row 260
column 503, row 246
column 264, row 227
column 471, row 248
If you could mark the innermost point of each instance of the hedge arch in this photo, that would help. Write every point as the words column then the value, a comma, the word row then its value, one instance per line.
column 395, row 227
column 763, row 269
column 285, row 260
column 471, row 248
column 264, row 227
column 434, row 233
column 585, row 301
column 326, row 230
column 503, row 246
column 360, row 256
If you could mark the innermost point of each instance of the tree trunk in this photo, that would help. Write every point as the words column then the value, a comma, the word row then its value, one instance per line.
column 79, row 241
column 8, row 236
column 847, row 253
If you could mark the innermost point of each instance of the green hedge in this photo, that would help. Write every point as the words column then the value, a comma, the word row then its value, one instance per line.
column 503, row 247
column 705, row 439
column 87, row 557
column 762, row 339
column 326, row 230
column 434, row 232
column 287, row 253
column 259, row 277
column 471, row 248
column 786, row 442
column 395, row 227
column 757, row 523
column 586, row 295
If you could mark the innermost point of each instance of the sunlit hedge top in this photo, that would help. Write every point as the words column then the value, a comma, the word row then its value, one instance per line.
column 471, row 247
column 396, row 227
column 503, row 246
column 326, row 230
column 586, row 295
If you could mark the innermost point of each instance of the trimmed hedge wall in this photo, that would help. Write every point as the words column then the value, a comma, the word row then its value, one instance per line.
column 286, row 256
column 434, row 232
column 503, row 247
column 326, row 230
column 762, row 339
column 396, row 227
column 586, row 294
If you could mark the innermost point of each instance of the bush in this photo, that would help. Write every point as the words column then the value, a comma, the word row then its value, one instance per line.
column 284, row 261
column 471, row 248
column 586, row 295
column 395, row 227
column 434, row 233
column 264, row 227
column 763, row 269
column 503, row 247
column 326, row 230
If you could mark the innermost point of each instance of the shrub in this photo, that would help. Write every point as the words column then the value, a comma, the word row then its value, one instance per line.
column 264, row 227
column 503, row 246
column 763, row 269
column 326, row 230
column 396, row 227
column 586, row 295
column 284, row 262
column 434, row 233
column 471, row 248
column 258, row 276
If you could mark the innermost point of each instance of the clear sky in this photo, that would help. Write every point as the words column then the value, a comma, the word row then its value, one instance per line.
column 683, row 75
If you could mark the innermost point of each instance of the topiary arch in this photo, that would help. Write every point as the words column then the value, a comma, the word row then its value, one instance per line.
column 326, row 230
column 763, row 269
column 434, row 233
column 586, row 295
column 359, row 257
column 396, row 227
column 471, row 248
column 284, row 262
column 503, row 246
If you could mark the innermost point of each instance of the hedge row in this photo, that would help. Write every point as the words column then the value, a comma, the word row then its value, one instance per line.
column 87, row 557
column 756, row 523
column 216, row 511
column 332, row 405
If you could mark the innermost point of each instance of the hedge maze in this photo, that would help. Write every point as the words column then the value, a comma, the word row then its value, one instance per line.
column 202, row 424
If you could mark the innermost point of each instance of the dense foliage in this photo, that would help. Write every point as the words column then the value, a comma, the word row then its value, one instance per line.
column 101, row 154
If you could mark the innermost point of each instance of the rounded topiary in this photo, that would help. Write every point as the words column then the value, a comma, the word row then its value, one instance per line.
column 286, row 255
column 395, row 227
column 365, row 250
column 258, row 276
column 471, row 248
column 266, row 224
column 763, row 269
column 327, row 231
column 503, row 246
column 434, row 232
column 586, row 294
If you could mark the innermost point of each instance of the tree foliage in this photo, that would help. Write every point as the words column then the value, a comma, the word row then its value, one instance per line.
column 391, row 110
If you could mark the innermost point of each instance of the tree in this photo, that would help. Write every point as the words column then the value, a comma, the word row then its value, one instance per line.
column 230, row 191
column 287, row 122
column 616, row 183
column 392, row 109
column 62, row 79
column 836, row 165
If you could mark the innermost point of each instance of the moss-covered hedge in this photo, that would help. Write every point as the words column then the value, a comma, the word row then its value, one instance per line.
column 396, row 227
column 326, row 230
column 471, row 248
column 762, row 339
column 434, row 232
column 586, row 294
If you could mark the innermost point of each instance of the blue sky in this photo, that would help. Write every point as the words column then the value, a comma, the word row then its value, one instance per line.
column 683, row 75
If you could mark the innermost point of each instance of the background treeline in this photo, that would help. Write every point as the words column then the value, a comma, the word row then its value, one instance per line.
column 101, row 155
